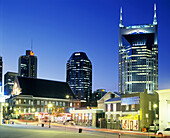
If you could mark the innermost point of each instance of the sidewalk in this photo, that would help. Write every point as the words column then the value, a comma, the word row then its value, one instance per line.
column 84, row 128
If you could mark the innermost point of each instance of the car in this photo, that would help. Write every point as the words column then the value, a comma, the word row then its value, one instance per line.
column 71, row 122
column 153, row 128
column 165, row 132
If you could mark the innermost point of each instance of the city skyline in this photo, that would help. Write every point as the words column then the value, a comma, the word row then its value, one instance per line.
column 60, row 28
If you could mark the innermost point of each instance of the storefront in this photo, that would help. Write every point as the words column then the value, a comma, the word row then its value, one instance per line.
column 129, row 122
column 88, row 117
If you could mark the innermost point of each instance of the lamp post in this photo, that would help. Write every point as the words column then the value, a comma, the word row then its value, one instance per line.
column 49, row 111
column 155, row 106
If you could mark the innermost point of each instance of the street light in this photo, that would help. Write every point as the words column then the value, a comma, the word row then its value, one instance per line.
column 49, row 111
column 67, row 96
column 33, row 109
column 155, row 106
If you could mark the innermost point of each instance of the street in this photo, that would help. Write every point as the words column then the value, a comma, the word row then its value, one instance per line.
column 32, row 131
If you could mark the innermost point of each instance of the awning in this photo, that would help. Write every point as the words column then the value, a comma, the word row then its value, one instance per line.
column 129, row 117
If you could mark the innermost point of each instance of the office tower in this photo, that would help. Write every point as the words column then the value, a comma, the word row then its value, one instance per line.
column 98, row 94
column 79, row 75
column 1, row 71
column 138, row 57
column 9, row 79
column 28, row 65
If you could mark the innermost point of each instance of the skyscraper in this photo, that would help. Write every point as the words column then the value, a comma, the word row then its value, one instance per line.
column 138, row 57
column 79, row 75
column 1, row 71
column 9, row 79
column 28, row 65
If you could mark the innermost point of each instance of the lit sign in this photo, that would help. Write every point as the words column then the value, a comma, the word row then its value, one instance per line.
column 77, row 54
column 130, row 100
column 31, row 53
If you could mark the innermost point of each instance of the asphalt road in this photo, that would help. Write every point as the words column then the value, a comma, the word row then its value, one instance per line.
column 26, row 131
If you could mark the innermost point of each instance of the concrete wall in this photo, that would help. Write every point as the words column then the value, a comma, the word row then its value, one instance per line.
column 164, row 110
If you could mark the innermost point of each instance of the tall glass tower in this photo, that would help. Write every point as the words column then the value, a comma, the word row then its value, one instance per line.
column 1, row 71
column 28, row 65
column 138, row 57
column 79, row 75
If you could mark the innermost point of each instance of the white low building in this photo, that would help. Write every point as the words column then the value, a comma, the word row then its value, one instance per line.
column 164, row 108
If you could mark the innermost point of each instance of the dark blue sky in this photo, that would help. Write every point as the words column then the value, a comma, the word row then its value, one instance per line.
column 60, row 27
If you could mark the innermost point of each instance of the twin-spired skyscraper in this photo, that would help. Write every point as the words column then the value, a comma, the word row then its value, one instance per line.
column 79, row 75
column 138, row 57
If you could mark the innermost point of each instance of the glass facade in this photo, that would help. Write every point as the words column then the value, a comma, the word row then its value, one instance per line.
column 9, row 79
column 28, row 65
column 79, row 75
column 138, row 58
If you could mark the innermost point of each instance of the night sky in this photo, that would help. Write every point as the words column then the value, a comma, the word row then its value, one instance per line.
column 59, row 28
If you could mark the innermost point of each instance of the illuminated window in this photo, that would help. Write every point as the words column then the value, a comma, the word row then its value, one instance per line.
column 53, row 102
column 60, row 103
column 56, row 103
column 16, row 102
column 42, row 109
column 133, row 107
column 29, row 102
column 29, row 110
column 127, row 107
column 150, row 105
column 19, row 101
column 38, row 102
column 42, row 102
column 24, row 101
column 64, row 104
column 38, row 109
column 45, row 102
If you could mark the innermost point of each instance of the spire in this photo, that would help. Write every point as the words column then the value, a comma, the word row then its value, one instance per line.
column 121, row 21
column 155, row 19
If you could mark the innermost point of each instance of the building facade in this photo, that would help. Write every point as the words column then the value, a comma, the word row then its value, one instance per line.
column 138, row 110
column 1, row 72
column 164, row 108
column 138, row 57
column 79, row 75
column 30, row 98
column 9, row 79
column 28, row 65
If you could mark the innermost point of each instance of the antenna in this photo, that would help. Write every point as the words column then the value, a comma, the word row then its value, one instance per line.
column 155, row 19
column 121, row 20
column 31, row 45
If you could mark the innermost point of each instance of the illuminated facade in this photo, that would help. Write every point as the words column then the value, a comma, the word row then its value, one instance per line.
column 31, row 95
column 138, row 57
column 28, row 65
column 1, row 71
column 79, row 75
column 9, row 79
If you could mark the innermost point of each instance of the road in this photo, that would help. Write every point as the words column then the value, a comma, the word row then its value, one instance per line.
column 30, row 131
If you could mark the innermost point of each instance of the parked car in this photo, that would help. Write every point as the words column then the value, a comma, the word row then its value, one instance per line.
column 152, row 127
column 165, row 132
column 71, row 122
